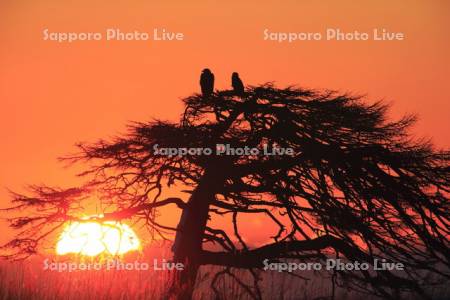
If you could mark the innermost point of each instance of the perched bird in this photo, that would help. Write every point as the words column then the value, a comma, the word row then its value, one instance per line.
column 207, row 82
column 238, row 86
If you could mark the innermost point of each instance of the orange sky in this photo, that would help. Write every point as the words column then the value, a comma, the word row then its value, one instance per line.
column 54, row 94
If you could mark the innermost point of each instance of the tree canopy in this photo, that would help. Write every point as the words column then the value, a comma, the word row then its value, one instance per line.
column 357, row 186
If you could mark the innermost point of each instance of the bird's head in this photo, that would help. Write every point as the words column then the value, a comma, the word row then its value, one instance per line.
column 207, row 71
column 235, row 75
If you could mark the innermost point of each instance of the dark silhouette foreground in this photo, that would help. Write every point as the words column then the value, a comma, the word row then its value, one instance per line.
column 358, row 187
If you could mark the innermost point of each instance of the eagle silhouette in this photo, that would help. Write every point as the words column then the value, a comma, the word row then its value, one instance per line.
column 207, row 82
column 238, row 86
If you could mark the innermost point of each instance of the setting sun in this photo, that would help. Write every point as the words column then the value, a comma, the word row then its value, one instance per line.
column 93, row 238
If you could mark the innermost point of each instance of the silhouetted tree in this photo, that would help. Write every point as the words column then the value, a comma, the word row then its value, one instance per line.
column 356, row 187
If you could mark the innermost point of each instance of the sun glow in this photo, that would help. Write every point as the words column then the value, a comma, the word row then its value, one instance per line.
column 92, row 238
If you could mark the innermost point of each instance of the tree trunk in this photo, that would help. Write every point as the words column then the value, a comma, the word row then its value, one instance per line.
column 188, row 241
